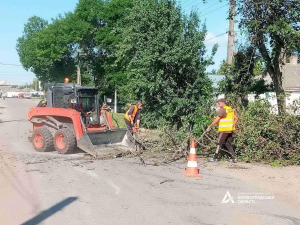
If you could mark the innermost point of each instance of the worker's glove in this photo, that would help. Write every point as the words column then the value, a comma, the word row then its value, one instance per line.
column 208, row 129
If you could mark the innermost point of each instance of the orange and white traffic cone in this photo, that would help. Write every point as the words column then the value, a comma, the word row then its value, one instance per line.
column 192, row 168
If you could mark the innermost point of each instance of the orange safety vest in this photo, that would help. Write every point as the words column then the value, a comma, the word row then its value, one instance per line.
column 132, row 115
column 227, row 123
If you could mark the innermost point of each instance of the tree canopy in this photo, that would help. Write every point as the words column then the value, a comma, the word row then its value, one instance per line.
column 162, row 55
column 273, row 26
column 148, row 50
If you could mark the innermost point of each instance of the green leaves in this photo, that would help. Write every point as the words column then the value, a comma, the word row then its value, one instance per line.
column 162, row 52
column 262, row 136
column 241, row 77
column 147, row 49
column 273, row 26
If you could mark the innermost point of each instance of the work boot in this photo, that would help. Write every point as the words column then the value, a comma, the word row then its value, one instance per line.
column 232, row 160
column 212, row 160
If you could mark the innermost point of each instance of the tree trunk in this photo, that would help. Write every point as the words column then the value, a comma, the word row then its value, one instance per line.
column 273, row 68
column 280, row 94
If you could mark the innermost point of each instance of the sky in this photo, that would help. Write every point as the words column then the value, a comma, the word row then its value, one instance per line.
column 15, row 13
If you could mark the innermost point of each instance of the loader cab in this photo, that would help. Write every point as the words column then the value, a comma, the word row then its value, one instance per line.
column 72, row 96
column 87, row 103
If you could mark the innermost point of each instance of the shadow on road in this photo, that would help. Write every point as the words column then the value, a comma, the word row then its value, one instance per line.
column 49, row 212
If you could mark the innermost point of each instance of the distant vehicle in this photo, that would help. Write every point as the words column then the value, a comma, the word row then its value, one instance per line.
column 21, row 95
column 27, row 95
column 35, row 95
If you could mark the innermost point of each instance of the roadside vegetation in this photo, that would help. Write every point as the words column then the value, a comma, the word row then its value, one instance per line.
column 150, row 50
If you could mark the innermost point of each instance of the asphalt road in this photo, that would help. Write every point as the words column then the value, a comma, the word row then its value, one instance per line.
column 47, row 188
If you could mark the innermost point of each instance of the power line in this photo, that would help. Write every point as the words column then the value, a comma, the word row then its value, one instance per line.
column 21, row 77
column 209, row 7
column 190, row 3
column 204, row 3
column 184, row 2
column 17, row 74
column 213, row 10
column 215, row 36
column 9, row 64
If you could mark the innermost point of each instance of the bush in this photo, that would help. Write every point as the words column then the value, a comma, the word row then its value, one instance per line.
column 263, row 136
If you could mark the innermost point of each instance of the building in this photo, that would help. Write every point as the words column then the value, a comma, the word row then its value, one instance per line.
column 290, row 84
column 5, row 87
column 11, row 91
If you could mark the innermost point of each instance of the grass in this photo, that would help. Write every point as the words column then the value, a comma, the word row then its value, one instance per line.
column 118, row 119
column 37, row 97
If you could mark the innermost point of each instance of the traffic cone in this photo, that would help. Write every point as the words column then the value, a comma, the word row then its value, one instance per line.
column 192, row 168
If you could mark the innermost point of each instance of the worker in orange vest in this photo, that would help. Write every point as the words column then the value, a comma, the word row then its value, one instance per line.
column 132, row 117
column 227, row 120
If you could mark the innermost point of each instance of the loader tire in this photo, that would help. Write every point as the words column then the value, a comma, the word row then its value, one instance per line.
column 64, row 141
column 42, row 140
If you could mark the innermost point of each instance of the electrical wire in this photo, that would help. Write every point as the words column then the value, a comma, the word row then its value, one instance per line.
column 9, row 64
column 213, row 10
column 184, row 2
column 209, row 7
column 216, row 36
column 204, row 3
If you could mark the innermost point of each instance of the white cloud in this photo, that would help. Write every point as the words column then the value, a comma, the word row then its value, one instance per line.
column 212, row 39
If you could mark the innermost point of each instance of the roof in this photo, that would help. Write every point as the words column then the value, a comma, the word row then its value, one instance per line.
column 14, row 90
column 291, row 77
column 27, row 90
column 4, row 88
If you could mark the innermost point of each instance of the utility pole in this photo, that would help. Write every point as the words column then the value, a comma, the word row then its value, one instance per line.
column 78, row 75
column 78, row 70
column 36, row 84
column 115, row 109
column 231, row 33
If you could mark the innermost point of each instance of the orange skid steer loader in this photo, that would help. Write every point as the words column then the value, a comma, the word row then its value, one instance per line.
column 70, row 118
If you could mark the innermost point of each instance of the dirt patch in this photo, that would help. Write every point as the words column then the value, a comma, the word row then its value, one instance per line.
column 283, row 182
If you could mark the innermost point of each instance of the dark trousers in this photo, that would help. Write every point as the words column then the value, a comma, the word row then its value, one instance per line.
column 128, row 124
column 224, row 145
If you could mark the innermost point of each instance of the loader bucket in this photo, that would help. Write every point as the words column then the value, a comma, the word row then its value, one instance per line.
column 93, row 142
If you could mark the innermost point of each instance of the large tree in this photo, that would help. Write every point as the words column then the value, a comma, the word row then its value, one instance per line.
column 163, row 56
column 273, row 26
column 241, row 78
column 87, row 37
column 52, row 52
